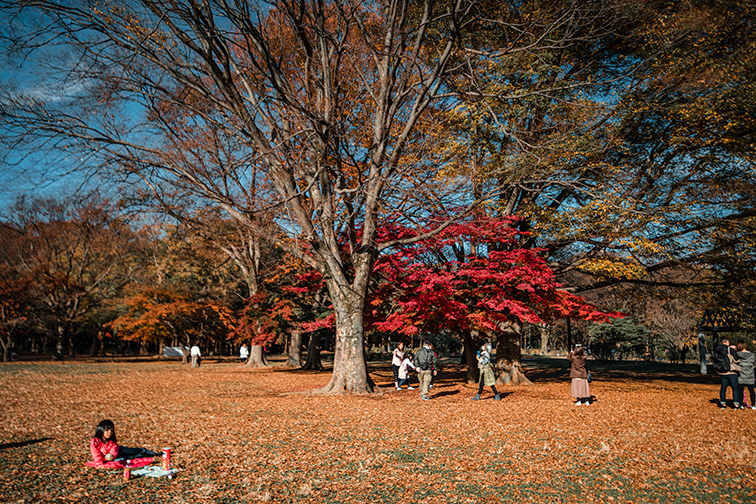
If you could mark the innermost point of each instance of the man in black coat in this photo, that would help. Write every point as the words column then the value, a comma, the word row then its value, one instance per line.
column 729, row 376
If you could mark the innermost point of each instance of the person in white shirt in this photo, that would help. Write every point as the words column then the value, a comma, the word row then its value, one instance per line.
column 196, row 355
column 244, row 353
column 404, row 372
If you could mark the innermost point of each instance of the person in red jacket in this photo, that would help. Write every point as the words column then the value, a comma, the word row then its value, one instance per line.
column 108, row 454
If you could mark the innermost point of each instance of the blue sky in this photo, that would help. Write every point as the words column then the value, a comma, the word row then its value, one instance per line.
column 39, row 168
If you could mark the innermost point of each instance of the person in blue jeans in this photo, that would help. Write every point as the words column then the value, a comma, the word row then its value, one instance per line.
column 726, row 364
column 405, row 373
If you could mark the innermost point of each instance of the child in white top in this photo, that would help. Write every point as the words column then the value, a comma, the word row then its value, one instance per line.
column 404, row 372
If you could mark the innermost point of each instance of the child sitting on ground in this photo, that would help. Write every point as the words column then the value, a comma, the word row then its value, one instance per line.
column 106, row 452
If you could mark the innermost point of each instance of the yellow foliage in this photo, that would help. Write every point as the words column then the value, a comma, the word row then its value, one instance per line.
column 616, row 268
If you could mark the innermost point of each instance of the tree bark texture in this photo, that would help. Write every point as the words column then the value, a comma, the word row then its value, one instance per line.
column 509, row 355
column 256, row 357
column 313, row 362
column 349, row 363
column 544, row 330
column 470, row 360
column 6, row 346
column 295, row 350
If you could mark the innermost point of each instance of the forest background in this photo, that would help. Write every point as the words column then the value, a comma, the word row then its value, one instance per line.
column 344, row 175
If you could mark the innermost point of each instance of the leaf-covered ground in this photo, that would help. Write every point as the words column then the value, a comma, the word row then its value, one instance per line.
column 241, row 435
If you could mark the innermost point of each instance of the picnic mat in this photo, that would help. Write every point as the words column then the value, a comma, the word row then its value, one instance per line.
column 153, row 471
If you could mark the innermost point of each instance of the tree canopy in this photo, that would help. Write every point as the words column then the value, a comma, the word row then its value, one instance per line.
column 619, row 131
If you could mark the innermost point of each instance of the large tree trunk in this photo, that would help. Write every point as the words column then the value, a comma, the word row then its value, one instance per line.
column 295, row 350
column 256, row 357
column 96, row 338
column 71, row 350
column 544, row 330
column 469, row 353
column 185, row 353
column 6, row 346
column 313, row 353
column 349, row 362
column 509, row 355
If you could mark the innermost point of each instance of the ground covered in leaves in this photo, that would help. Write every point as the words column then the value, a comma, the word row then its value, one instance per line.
column 654, row 434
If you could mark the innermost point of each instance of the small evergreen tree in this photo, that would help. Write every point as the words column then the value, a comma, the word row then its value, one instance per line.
column 620, row 338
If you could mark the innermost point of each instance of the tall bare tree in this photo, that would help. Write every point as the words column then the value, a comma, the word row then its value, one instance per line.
column 320, row 110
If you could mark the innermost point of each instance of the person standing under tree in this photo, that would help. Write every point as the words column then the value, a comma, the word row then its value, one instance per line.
column 396, row 361
column 196, row 355
column 425, row 363
column 487, row 375
column 580, row 389
column 243, row 353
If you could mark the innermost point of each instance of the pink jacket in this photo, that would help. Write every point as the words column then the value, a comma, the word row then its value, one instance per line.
column 100, row 448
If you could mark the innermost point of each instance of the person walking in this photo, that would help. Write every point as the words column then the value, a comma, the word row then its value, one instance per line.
column 396, row 361
column 243, row 353
column 405, row 373
column 425, row 363
column 487, row 376
column 726, row 365
column 580, row 389
column 746, row 377
column 196, row 355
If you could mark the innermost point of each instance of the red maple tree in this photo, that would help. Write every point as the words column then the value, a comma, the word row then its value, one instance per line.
column 474, row 277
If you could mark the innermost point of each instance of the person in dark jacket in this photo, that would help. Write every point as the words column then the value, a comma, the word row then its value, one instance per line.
column 724, row 357
column 580, row 389
column 746, row 376
column 425, row 364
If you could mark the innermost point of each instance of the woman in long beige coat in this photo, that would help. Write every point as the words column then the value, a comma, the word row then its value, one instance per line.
column 487, row 375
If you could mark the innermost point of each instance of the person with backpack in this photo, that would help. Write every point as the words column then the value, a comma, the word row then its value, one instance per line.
column 726, row 365
column 425, row 364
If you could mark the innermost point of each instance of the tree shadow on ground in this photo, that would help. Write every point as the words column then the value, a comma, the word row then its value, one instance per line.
column 443, row 393
column 543, row 370
column 548, row 369
column 19, row 444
